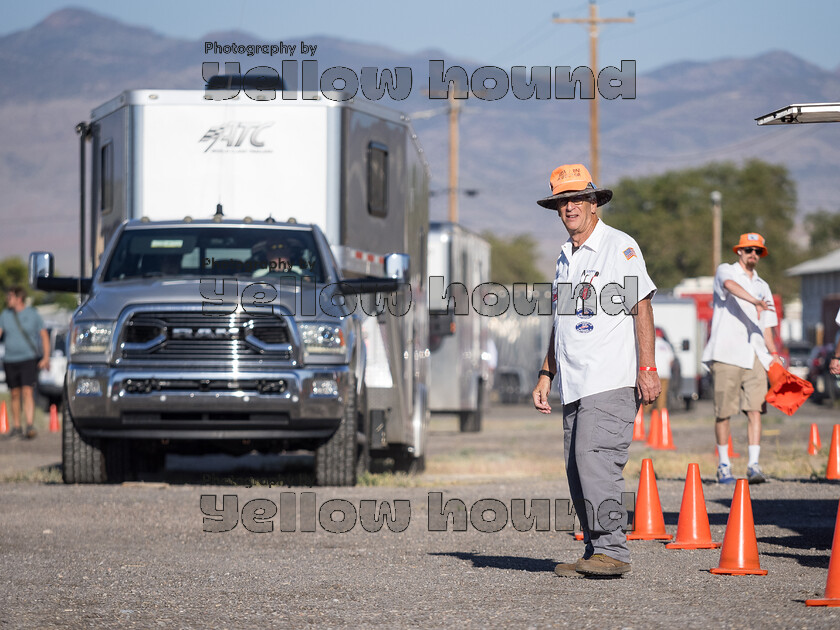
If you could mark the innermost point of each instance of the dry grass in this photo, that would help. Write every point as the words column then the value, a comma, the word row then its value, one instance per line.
column 512, row 464
column 48, row 474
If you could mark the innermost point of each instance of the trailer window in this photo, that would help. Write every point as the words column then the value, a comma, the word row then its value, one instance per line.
column 106, row 178
column 377, row 179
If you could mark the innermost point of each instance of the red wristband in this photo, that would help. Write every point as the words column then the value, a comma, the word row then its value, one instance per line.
column 647, row 368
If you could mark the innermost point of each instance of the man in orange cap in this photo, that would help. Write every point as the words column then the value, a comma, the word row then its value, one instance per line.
column 740, row 350
column 602, row 351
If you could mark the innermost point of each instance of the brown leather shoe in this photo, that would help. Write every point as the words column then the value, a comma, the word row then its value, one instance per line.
column 600, row 564
column 568, row 569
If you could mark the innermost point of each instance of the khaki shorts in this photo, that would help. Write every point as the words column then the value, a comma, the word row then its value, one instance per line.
column 738, row 389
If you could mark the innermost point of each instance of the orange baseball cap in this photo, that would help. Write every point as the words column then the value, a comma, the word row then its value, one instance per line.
column 571, row 180
column 751, row 239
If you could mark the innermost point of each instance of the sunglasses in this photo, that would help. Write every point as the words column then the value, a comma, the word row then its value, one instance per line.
column 575, row 201
column 753, row 250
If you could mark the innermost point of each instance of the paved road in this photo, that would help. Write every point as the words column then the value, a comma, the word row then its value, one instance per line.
column 137, row 555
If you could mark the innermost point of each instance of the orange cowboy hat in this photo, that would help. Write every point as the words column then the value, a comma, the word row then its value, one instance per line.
column 570, row 180
column 751, row 239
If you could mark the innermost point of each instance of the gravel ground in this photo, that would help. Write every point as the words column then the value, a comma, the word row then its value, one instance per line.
column 137, row 555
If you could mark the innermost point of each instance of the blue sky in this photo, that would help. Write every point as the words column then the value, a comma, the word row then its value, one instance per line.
column 499, row 33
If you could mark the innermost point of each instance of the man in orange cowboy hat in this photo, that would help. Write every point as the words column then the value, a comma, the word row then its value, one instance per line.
column 740, row 350
column 602, row 352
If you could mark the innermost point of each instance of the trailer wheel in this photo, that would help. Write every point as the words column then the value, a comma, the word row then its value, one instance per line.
column 335, row 459
column 144, row 459
column 119, row 463
column 470, row 421
column 405, row 462
column 510, row 389
column 82, row 458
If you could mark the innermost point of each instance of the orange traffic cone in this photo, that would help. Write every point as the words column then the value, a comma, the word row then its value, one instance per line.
column 833, row 470
column 693, row 527
column 832, row 585
column 659, row 436
column 639, row 425
column 4, row 421
column 739, row 555
column 655, row 430
column 814, row 443
column 649, row 522
column 732, row 453
column 667, row 441
column 53, row 419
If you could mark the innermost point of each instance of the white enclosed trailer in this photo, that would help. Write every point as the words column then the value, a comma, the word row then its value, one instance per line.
column 459, row 264
column 353, row 168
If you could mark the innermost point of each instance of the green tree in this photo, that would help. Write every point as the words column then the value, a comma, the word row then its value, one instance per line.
column 823, row 231
column 13, row 271
column 513, row 259
column 670, row 217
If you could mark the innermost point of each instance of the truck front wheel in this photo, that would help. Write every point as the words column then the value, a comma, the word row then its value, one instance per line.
column 82, row 458
column 335, row 459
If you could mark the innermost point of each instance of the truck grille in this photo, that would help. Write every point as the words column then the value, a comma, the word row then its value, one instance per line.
column 186, row 336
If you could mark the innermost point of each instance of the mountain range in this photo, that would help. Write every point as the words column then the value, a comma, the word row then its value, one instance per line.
column 683, row 114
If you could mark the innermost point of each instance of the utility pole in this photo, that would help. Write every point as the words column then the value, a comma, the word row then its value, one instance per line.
column 454, row 112
column 593, row 21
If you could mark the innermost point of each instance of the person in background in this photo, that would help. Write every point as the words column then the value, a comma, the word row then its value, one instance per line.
column 664, row 358
column 27, row 351
column 740, row 350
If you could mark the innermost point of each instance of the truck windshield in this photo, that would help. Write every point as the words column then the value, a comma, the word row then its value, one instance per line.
column 177, row 252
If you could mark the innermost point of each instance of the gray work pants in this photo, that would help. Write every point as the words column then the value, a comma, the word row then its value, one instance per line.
column 597, row 433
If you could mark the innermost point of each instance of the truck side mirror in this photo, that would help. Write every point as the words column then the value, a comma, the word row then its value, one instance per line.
column 42, row 276
column 397, row 266
column 41, row 265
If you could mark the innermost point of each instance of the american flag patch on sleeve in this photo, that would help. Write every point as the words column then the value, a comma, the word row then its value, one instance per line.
column 629, row 253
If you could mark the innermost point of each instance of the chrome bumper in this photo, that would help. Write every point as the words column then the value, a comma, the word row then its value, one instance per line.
column 160, row 404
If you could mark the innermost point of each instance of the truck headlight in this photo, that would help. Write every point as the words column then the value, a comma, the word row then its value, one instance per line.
column 91, row 338
column 323, row 339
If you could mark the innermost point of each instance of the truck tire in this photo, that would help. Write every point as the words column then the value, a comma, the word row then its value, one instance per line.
column 335, row 459
column 82, row 459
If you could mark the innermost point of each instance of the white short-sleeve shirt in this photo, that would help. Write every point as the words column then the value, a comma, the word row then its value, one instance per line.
column 737, row 335
column 595, row 347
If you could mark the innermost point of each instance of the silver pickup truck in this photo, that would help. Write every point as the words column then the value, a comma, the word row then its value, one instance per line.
column 209, row 336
